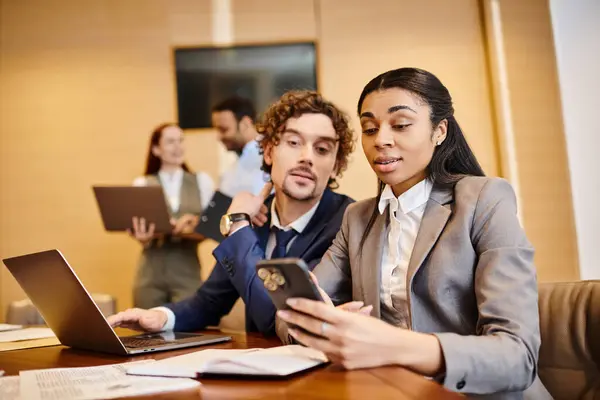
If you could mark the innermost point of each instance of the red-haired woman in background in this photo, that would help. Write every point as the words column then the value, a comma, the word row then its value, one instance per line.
column 169, row 268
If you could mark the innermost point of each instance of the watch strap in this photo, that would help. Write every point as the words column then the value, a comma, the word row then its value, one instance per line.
column 237, row 217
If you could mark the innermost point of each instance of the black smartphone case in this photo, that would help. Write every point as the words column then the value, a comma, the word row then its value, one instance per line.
column 287, row 277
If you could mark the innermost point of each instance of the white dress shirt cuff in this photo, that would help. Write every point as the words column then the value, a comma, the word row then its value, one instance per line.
column 170, row 324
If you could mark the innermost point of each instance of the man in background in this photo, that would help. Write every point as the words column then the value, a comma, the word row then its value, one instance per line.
column 234, row 119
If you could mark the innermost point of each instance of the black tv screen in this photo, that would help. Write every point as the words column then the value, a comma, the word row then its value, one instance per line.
column 206, row 76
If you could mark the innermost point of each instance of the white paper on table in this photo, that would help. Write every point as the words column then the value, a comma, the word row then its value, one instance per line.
column 26, row 334
column 276, row 361
column 90, row 383
column 9, row 388
column 188, row 365
column 9, row 327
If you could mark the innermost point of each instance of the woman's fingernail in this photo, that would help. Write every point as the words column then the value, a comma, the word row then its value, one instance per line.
column 291, row 302
column 283, row 314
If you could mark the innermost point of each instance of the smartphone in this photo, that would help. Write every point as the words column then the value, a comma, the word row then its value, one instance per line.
column 287, row 277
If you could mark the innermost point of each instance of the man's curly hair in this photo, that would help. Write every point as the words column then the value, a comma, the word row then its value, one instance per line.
column 293, row 104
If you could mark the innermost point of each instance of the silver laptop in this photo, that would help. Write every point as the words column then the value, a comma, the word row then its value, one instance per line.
column 119, row 204
column 75, row 319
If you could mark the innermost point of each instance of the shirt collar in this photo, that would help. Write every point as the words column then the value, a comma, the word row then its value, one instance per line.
column 408, row 201
column 251, row 146
column 298, row 225
column 170, row 176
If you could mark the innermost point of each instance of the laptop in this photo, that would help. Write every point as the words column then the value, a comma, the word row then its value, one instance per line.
column 208, row 226
column 68, row 309
column 119, row 204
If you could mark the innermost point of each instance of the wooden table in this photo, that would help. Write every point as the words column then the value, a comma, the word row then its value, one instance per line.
column 329, row 382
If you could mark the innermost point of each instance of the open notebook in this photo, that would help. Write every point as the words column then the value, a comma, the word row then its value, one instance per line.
column 276, row 361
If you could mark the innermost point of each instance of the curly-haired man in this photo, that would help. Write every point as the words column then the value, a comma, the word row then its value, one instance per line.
column 305, row 141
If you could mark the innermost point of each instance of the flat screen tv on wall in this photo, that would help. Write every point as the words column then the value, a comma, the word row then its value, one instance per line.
column 262, row 73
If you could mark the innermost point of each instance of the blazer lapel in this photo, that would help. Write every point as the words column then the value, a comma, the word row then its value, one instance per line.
column 263, row 235
column 370, row 262
column 303, row 241
column 264, row 231
column 436, row 215
column 314, row 228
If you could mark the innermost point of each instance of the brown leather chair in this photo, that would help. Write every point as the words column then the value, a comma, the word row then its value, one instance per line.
column 23, row 312
column 569, row 362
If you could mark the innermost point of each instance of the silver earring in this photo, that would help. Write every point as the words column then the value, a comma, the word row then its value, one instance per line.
column 438, row 142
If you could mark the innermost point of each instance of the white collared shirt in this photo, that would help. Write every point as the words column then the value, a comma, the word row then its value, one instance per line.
column 245, row 175
column 406, row 213
column 171, row 184
column 299, row 225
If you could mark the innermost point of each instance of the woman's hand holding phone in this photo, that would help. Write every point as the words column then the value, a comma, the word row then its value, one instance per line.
column 287, row 278
column 324, row 295
column 352, row 306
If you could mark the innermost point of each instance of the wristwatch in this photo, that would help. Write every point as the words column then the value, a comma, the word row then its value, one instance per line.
column 228, row 219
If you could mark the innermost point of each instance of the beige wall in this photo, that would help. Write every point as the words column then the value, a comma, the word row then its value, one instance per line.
column 83, row 83
column 357, row 43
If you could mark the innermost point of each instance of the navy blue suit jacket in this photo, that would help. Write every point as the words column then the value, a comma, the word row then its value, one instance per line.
column 234, row 275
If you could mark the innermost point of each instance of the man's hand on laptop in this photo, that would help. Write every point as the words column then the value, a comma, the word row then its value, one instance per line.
column 139, row 319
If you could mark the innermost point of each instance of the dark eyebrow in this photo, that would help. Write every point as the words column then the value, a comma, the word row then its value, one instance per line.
column 391, row 110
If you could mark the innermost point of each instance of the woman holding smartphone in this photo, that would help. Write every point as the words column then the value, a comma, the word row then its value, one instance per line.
column 169, row 268
column 439, row 254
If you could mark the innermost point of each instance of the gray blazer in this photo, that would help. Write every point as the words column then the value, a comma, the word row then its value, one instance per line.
column 471, row 282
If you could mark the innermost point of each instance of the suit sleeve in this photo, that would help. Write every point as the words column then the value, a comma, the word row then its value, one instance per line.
column 333, row 274
column 237, row 256
column 215, row 298
column 503, row 356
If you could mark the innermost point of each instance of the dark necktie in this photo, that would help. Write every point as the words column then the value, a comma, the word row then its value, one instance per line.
column 282, row 238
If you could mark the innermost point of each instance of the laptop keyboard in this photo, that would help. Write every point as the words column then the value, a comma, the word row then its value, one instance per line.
column 137, row 342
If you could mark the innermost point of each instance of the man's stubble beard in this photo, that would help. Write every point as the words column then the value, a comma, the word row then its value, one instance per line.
column 309, row 197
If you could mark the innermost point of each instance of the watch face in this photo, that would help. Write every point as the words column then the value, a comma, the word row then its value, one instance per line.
column 225, row 225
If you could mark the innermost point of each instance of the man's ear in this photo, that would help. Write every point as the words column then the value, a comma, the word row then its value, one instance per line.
column 245, row 122
column 335, row 171
column 268, row 154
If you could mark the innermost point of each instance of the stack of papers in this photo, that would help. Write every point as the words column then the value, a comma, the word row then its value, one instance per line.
column 9, row 327
column 276, row 361
column 87, row 383
column 12, row 337
column 150, row 377
column 15, row 335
